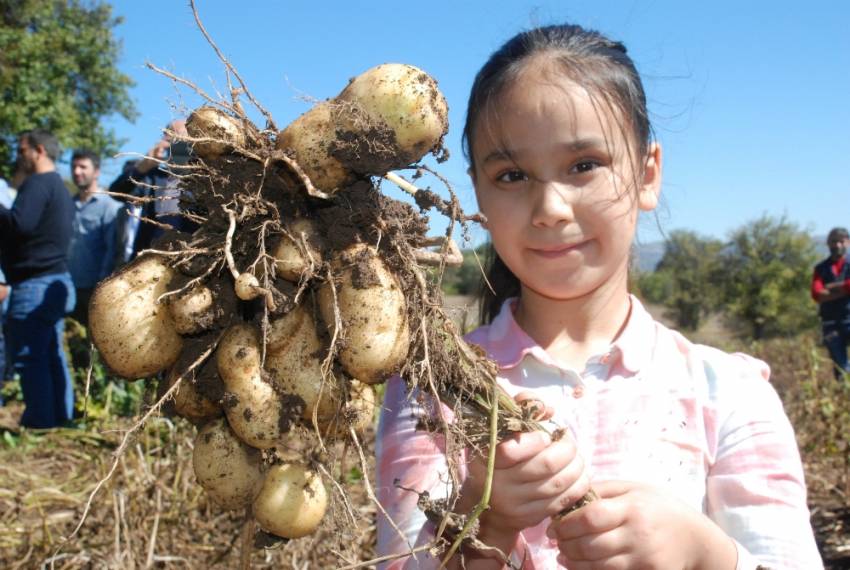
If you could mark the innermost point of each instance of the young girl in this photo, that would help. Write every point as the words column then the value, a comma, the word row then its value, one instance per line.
column 688, row 448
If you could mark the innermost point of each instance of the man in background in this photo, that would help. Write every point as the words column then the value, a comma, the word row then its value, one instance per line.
column 831, row 290
column 128, row 220
column 92, row 253
column 34, row 237
column 6, row 202
column 157, row 183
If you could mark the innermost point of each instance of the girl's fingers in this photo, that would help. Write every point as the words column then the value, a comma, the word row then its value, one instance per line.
column 552, row 495
column 619, row 562
column 578, row 488
column 537, row 408
column 519, row 448
column 598, row 546
column 611, row 489
column 550, row 460
column 596, row 517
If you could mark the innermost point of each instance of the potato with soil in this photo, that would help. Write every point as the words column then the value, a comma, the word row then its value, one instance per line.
column 134, row 332
column 189, row 402
column 227, row 469
column 311, row 139
column 255, row 409
column 404, row 100
column 247, row 286
column 294, row 364
column 297, row 252
column 222, row 130
column 291, row 502
column 193, row 311
column 373, row 312
column 357, row 413
column 386, row 118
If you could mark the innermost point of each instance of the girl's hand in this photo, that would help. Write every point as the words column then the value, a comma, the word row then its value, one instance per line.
column 534, row 478
column 636, row 526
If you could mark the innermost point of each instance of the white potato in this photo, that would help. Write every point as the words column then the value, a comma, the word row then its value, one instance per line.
column 189, row 403
column 192, row 311
column 407, row 101
column 291, row 502
column 290, row 260
column 252, row 405
column 358, row 412
column 135, row 335
column 373, row 313
column 294, row 363
column 247, row 286
column 386, row 118
column 311, row 138
column 209, row 122
column 227, row 469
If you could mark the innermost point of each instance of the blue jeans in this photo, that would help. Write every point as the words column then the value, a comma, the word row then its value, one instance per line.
column 35, row 329
column 835, row 338
column 2, row 346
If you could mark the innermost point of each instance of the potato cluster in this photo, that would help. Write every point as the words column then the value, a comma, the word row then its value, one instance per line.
column 304, row 355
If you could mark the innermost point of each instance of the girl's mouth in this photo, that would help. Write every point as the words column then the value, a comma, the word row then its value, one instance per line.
column 556, row 251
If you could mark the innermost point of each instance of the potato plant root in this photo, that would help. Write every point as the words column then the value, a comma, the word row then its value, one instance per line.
column 249, row 197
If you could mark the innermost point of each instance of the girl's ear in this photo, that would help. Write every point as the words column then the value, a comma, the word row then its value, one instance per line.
column 650, row 188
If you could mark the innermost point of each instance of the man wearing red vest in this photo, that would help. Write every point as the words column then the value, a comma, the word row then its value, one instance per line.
column 831, row 290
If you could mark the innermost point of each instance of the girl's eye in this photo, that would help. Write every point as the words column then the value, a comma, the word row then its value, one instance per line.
column 585, row 166
column 512, row 176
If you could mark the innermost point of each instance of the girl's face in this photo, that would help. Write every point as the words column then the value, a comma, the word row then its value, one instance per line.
column 557, row 181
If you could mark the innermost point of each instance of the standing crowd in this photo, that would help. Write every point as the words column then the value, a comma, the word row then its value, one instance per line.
column 55, row 248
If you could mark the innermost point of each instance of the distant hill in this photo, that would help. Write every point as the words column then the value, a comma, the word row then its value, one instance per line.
column 647, row 255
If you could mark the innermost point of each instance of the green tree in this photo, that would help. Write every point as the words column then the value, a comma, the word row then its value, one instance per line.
column 651, row 286
column 767, row 269
column 58, row 71
column 688, row 272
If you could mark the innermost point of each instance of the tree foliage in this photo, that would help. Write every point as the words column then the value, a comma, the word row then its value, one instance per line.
column 58, row 71
column 760, row 278
column 767, row 268
column 687, row 276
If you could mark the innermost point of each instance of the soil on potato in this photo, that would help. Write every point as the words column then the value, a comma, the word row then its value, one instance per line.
column 257, row 203
column 244, row 205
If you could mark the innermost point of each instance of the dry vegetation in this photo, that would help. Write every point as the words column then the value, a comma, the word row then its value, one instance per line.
column 152, row 513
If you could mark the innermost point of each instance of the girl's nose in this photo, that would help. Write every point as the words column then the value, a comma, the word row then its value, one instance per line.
column 553, row 204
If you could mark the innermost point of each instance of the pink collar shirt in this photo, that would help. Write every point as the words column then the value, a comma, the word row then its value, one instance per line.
column 704, row 425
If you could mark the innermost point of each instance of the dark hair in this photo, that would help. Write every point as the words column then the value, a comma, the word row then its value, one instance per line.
column 586, row 58
column 838, row 233
column 39, row 137
column 83, row 153
column 129, row 165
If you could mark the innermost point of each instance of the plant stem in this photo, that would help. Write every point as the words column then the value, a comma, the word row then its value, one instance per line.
column 484, row 503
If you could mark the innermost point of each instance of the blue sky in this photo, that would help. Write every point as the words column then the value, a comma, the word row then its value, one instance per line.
column 750, row 100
